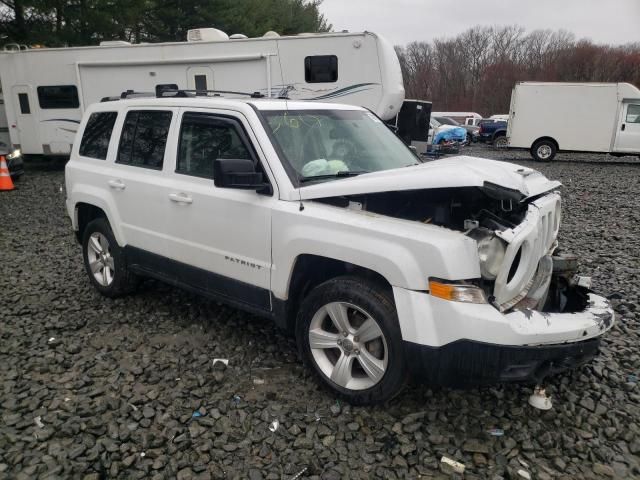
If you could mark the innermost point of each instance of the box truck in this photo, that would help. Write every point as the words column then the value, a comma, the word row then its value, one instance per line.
column 547, row 117
column 46, row 90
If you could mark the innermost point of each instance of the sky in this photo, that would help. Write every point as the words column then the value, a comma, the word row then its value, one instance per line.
column 403, row 21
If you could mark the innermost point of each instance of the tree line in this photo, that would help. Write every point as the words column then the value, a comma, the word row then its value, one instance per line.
column 55, row 23
column 476, row 70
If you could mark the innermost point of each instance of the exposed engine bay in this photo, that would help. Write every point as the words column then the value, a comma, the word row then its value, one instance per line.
column 490, row 215
column 453, row 208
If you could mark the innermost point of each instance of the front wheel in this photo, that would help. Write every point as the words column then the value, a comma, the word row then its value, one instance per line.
column 544, row 150
column 468, row 140
column 104, row 260
column 348, row 333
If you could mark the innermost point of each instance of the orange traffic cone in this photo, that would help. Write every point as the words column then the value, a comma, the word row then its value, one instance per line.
column 5, row 177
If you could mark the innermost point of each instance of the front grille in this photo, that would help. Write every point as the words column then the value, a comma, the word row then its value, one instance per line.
column 528, row 242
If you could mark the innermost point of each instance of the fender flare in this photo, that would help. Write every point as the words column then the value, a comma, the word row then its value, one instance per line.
column 96, row 197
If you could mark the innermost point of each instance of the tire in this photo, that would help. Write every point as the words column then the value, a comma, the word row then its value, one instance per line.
column 544, row 150
column 105, row 262
column 469, row 140
column 500, row 142
column 355, row 301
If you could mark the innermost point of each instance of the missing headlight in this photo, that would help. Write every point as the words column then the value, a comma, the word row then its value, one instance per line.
column 491, row 250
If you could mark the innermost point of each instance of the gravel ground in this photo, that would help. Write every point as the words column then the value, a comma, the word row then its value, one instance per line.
column 98, row 388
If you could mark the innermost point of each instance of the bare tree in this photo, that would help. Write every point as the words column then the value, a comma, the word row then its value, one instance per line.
column 477, row 69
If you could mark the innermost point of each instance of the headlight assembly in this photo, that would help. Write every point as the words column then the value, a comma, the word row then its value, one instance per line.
column 15, row 154
column 491, row 254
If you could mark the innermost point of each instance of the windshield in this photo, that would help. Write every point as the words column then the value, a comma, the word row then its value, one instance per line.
column 447, row 121
column 329, row 144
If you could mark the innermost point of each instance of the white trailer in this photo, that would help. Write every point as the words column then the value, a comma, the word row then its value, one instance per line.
column 47, row 90
column 582, row 117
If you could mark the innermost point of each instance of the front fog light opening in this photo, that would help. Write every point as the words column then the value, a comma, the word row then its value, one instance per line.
column 491, row 252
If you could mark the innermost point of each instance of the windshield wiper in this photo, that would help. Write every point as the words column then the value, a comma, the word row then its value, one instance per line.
column 340, row 174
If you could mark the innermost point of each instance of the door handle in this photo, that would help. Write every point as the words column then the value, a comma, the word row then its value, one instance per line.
column 117, row 184
column 180, row 198
column 622, row 127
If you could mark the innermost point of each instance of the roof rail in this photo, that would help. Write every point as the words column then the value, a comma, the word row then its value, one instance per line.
column 167, row 91
column 126, row 94
column 171, row 92
column 133, row 94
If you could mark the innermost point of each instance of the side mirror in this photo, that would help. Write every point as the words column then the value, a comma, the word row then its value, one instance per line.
column 238, row 173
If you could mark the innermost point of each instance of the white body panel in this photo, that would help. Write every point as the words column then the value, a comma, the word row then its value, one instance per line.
column 257, row 239
column 368, row 75
column 578, row 116
column 208, row 231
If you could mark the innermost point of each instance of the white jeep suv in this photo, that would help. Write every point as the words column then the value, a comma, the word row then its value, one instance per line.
column 318, row 216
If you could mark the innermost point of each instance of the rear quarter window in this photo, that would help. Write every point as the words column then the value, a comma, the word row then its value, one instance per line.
column 97, row 135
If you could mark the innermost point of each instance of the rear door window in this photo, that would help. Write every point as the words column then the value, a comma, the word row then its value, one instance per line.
column 97, row 134
column 144, row 138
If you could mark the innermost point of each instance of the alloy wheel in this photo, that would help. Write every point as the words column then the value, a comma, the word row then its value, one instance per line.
column 100, row 259
column 348, row 346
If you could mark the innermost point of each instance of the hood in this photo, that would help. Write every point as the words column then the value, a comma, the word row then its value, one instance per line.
column 462, row 171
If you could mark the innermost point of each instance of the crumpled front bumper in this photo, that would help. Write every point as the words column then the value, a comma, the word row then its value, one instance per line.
column 470, row 344
column 595, row 319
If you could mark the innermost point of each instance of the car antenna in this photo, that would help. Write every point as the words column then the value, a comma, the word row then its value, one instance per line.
column 300, row 197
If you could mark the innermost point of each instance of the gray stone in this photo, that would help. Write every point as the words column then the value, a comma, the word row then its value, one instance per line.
column 475, row 446
column 255, row 474
column 604, row 470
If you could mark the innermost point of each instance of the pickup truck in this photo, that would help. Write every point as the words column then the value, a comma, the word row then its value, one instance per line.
column 493, row 132
column 317, row 216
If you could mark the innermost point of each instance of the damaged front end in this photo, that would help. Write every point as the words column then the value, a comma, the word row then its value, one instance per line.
column 530, row 316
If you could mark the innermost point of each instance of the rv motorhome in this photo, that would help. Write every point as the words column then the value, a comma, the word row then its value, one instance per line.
column 47, row 89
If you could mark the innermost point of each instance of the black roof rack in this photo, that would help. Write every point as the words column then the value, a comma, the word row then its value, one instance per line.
column 172, row 91
column 127, row 94
column 179, row 92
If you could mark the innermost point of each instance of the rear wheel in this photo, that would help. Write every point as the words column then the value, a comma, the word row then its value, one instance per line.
column 501, row 142
column 348, row 333
column 104, row 260
column 544, row 150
